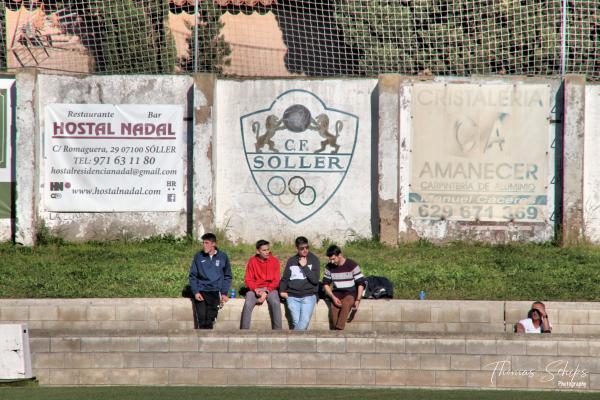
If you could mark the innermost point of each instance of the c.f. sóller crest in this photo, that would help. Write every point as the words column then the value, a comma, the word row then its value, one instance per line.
column 299, row 151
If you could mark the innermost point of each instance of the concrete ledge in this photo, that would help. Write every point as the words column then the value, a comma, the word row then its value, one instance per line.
column 358, row 359
column 451, row 316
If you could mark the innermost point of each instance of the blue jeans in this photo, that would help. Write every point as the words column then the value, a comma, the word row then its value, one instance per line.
column 301, row 309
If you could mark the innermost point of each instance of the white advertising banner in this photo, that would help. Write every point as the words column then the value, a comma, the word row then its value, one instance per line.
column 104, row 157
column 5, row 125
column 6, row 171
column 480, row 152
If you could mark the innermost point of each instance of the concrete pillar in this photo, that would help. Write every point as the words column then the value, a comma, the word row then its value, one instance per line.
column 573, row 148
column 389, row 127
column 203, row 174
column 27, row 157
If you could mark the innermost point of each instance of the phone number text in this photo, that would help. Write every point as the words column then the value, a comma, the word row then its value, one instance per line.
column 475, row 212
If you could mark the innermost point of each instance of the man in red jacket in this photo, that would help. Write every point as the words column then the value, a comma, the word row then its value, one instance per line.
column 262, row 279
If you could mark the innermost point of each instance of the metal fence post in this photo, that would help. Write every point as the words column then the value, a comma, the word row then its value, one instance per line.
column 196, row 14
column 563, row 39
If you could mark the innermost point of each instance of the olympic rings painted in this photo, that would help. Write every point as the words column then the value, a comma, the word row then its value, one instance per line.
column 282, row 185
column 277, row 187
column 302, row 189
column 286, row 199
column 314, row 196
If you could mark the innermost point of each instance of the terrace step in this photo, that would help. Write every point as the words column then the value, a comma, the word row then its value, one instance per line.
column 288, row 358
column 172, row 314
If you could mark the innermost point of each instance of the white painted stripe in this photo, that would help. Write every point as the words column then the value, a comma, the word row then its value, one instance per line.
column 344, row 284
column 342, row 275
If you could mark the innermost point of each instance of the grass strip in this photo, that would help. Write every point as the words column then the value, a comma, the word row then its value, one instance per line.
column 158, row 267
column 262, row 393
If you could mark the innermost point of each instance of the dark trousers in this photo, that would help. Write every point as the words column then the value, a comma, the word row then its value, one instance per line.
column 339, row 315
column 205, row 312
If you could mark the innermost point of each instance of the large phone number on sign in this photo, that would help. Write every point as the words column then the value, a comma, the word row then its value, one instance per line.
column 435, row 211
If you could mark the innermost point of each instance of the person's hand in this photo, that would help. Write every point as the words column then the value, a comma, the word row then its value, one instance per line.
column 283, row 295
column 258, row 292
column 519, row 328
column 356, row 304
column 336, row 301
column 262, row 298
column 224, row 298
column 541, row 311
column 198, row 296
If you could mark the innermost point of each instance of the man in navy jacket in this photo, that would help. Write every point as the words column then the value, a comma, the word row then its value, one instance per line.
column 210, row 279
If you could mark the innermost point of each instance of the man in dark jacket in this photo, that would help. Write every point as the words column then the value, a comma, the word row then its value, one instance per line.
column 300, row 284
column 210, row 278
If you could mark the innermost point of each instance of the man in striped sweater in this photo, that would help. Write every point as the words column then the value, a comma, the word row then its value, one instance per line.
column 344, row 284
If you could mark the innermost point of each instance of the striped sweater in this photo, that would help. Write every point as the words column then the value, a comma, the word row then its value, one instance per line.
column 343, row 278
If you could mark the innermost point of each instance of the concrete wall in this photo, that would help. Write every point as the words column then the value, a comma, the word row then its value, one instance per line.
column 591, row 171
column 324, row 359
column 384, row 316
column 359, row 189
column 395, row 343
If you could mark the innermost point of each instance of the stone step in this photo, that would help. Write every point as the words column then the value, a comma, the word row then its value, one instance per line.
column 374, row 315
column 317, row 359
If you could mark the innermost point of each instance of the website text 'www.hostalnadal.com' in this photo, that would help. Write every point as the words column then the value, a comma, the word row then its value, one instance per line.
column 110, row 171
column 117, row 191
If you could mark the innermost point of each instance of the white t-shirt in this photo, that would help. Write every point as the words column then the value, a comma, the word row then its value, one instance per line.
column 529, row 327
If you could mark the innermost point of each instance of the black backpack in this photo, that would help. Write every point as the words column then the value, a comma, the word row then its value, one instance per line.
column 378, row 287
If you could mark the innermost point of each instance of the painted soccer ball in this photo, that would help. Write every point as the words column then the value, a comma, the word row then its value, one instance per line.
column 296, row 118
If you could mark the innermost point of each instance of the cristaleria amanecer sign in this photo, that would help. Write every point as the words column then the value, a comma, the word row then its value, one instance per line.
column 479, row 152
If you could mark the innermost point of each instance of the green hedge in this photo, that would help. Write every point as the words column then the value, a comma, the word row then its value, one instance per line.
column 465, row 37
column 133, row 37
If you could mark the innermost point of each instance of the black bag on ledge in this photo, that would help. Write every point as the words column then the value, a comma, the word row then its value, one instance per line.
column 378, row 287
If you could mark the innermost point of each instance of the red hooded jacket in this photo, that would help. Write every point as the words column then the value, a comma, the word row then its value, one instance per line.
column 263, row 273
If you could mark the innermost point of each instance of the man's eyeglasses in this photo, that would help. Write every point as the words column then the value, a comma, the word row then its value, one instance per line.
column 303, row 247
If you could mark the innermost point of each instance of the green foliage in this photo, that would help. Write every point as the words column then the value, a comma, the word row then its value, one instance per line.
column 133, row 37
column 466, row 37
column 211, row 49
column 159, row 266
column 167, row 239
column 44, row 236
column 20, row 383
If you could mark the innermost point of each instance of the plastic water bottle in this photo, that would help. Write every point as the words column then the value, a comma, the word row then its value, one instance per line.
column 232, row 294
column 422, row 295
